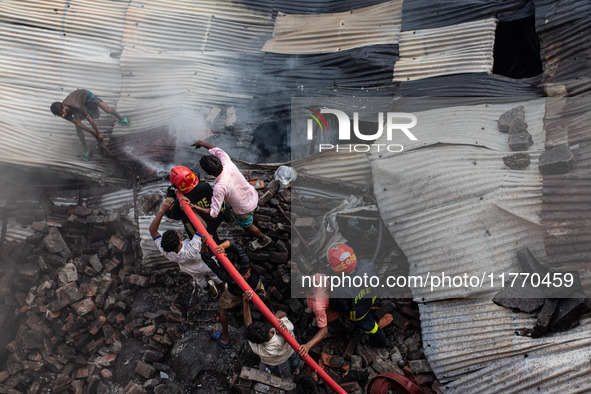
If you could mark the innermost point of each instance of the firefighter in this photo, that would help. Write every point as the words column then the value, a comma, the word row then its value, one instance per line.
column 354, row 302
column 199, row 195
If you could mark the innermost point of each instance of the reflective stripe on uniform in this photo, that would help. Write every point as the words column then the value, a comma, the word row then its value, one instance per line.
column 353, row 316
column 374, row 330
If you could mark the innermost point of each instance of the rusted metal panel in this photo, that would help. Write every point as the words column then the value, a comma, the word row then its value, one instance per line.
column 566, row 213
column 563, row 29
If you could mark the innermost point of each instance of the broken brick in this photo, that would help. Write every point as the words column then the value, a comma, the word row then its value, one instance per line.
column 544, row 318
column 385, row 320
column 174, row 332
column 145, row 370
column 278, row 257
column 305, row 224
column 517, row 161
column 111, row 264
column 95, row 263
column 55, row 243
column 419, row 366
column 83, row 307
column 505, row 120
column 356, row 375
column 138, row 280
column 106, row 375
column 105, row 361
column 557, row 160
column 400, row 321
column 164, row 340
column 350, row 387
column 387, row 308
column 436, row 386
column 134, row 389
column 366, row 354
column 4, row 375
column 520, row 141
column 118, row 243
column 567, row 313
column 82, row 373
column 265, row 198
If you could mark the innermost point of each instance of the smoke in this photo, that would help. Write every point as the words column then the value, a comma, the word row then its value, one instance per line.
column 187, row 127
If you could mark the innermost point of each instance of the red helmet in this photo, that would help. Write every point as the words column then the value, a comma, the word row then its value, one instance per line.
column 342, row 258
column 183, row 179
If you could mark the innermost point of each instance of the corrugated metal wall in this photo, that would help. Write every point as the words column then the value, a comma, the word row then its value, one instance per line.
column 305, row 34
column 563, row 29
column 456, row 207
column 566, row 214
column 459, row 49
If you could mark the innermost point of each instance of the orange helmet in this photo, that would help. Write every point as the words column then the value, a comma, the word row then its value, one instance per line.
column 183, row 179
column 342, row 258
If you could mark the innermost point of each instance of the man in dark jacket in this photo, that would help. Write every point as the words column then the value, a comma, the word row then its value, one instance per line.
column 354, row 303
column 199, row 195
column 232, row 297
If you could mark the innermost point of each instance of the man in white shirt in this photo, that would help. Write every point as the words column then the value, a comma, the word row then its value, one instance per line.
column 267, row 343
column 187, row 254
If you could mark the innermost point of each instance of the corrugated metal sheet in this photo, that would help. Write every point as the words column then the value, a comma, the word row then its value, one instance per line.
column 117, row 50
column 305, row 34
column 458, row 49
column 456, row 208
column 563, row 30
column 566, row 216
column 430, row 14
column 347, row 167
column 472, row 347
column 28, row 71
column 474, row 125
column 16, row 231
column 471, row 85
column 307, row 75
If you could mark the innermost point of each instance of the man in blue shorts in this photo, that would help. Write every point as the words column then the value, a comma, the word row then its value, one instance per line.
column 83, row 104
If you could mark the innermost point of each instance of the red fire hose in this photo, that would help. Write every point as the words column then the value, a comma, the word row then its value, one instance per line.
column 255, row 298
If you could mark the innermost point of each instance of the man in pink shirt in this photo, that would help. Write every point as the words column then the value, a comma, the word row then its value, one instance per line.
column 232, row 187
column 318, row 302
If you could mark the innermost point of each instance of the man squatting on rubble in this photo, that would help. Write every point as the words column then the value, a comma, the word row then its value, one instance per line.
column 232, row 187
column 352, row 303
column 186, row 253
column 83, row 104
column 319, row 304
column 267, row 343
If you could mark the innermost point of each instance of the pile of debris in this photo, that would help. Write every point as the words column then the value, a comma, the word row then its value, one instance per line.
column 69, row 285
column 557, row 160
column 92, row 318
column 559, row 306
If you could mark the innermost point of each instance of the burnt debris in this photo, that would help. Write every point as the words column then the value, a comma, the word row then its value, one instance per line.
column 85, row 315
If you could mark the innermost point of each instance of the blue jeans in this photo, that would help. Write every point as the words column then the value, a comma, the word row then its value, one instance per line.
column 294, row 362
